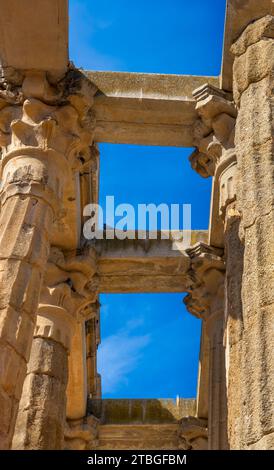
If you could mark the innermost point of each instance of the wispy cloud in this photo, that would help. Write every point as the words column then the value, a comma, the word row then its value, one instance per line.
column 84, row 24
column 120, row 354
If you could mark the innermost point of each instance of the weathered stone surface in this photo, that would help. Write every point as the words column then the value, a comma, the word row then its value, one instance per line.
column 50, row 170
column 143, row 265
column 251, row 67
column 44, row 129
column 138, row 437
column 82, row 434
column 138, row 411
column 93, row 339
column 193, row 433
column 77, row 385
column 27, row 42
column 145, row 424
column 263, row 28
column 250, row 357
column 20, row 279
column 146, row 109
column 59, row 330
column 205, row 299
column 42, row 407
column 239, row 14
column 203, row 376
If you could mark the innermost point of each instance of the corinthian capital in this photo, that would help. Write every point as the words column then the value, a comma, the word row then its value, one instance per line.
column 45, row 130
column 214, row 130
column 205, row 292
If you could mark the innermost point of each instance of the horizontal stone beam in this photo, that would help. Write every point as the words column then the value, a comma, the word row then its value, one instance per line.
column 138, row 437
column 132, row 266
column 141, row 411
column 141, row 424
column 146, row 109
column 34, row 35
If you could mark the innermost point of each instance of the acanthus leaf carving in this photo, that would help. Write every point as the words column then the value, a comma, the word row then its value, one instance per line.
column 205, row 290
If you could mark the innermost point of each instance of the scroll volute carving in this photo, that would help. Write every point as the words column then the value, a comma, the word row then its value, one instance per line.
column 214, row 130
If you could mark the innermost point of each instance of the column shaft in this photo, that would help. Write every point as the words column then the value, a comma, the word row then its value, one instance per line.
column 25, row 222
column 217, row 413
column 41, row 418
column 62, row 311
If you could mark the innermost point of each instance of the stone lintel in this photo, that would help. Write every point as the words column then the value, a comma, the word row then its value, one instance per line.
column 34, row 35
column 138, row 437
column 146, row 109
column 239, row 13
column 141, row 424
column 126, row 266
column 141, row 411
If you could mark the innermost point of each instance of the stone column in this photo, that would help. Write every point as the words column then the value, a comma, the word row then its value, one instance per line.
column 42, row 410
column 93, row 340
column 250, row 339
column 215, row 156
column 43, row 130
column 206, row 301
column 84, row 381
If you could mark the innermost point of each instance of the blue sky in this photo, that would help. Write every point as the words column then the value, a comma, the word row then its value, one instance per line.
column 150, row 343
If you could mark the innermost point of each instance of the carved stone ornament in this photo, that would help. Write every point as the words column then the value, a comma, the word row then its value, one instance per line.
column 207, row 277
column 214, row 130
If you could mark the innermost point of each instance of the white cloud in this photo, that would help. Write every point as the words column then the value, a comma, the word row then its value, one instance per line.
column 83, row 26
column 119, row 355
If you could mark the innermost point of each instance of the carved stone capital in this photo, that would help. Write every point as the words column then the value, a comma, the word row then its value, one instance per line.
column 214, row 130
column 46, row 132
column 81, row 434
column 205, row 292
column 70, row 287
column 193, row 434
